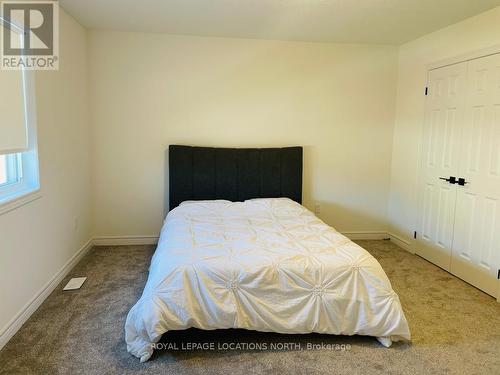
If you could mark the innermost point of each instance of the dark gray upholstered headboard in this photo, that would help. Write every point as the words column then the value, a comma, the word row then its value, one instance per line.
column 198, row 173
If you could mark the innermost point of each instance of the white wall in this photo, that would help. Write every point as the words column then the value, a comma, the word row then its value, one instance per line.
column 36, row 240
column 479, row 32
column 152, row 90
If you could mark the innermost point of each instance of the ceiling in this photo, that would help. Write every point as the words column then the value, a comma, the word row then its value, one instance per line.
column 342, row 21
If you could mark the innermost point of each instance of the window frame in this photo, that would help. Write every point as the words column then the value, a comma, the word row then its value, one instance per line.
column 26, row 187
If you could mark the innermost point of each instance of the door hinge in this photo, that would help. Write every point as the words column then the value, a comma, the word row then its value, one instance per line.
column 415, row 235
column 426, row 91
column 498, row 276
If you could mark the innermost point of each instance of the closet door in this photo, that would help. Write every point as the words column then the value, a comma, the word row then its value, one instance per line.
column 440, row 158
column 476, row 244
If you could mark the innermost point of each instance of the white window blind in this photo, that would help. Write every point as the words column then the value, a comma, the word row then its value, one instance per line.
column 13, row 130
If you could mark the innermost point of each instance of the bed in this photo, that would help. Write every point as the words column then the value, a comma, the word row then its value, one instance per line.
column 258, row 260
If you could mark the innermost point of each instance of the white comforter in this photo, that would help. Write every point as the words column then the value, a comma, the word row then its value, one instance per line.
column 265, row 265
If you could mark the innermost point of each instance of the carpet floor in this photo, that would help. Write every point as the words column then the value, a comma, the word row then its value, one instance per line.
column 455, row 328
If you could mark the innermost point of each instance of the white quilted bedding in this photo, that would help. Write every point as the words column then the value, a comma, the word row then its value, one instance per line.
column 265, row 265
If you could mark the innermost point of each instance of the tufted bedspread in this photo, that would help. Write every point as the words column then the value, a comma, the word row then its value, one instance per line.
column 265, row 265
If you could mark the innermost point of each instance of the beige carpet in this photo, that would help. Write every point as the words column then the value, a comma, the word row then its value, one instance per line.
column 455, row 327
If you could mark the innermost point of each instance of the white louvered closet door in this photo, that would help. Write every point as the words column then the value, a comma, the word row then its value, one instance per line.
column 476, row 241
column 440, row 158
column 459, row 226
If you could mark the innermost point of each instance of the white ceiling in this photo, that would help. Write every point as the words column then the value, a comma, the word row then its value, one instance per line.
column 344, row 21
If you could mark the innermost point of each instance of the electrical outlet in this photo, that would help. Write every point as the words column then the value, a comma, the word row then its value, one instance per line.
column 75, row 223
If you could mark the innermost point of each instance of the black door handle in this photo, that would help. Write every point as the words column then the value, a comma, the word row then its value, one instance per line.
column 451, row 180
column 462, row 182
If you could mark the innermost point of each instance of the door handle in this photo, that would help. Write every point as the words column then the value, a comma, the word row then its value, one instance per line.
column 451, row 180
column 462, row 182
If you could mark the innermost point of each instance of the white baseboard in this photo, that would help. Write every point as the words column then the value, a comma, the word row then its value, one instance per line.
column 372, row 235
column 22, row 316
column 404, row 244
column 153, row 240
column 125, row 240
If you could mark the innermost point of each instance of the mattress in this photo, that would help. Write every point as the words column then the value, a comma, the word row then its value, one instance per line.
column 266, row 265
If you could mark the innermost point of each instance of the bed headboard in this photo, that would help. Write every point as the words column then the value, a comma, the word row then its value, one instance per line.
column 235, row 174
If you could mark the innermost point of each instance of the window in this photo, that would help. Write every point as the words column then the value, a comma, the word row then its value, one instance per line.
column 19, row 171
column 19, row 177
column 11, row 171
column 4, row 170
